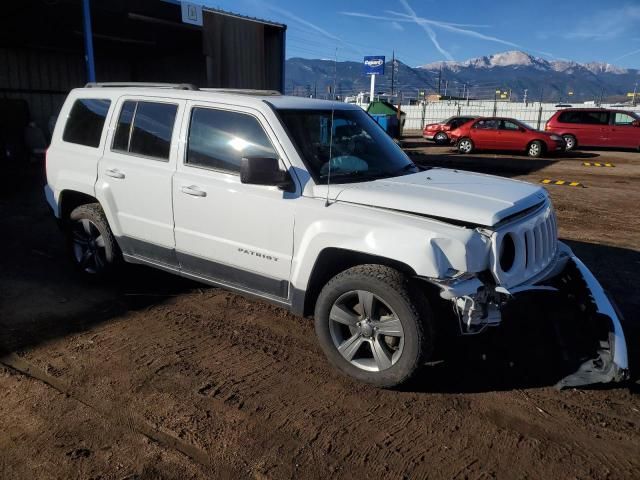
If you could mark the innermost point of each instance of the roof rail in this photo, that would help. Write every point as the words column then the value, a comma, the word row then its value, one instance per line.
column 242, row 91
column 176, row 86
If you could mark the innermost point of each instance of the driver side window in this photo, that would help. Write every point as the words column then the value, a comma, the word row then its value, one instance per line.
column 622, row 119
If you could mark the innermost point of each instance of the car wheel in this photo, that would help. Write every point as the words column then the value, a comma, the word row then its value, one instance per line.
column 569, row 142
column 465, row 145
column 441, row 138
column 92, row 245
column 373, row 326
column 535, row 149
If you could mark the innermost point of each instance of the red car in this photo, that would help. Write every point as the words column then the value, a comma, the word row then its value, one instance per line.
column 596, row 127
column 438, row 132
column 505, row 134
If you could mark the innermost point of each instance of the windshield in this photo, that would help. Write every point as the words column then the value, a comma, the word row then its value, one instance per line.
column 360, row 151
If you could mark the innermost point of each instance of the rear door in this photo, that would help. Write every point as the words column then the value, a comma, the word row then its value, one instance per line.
column 226, row 231
column 135, row 174
column 622, row 132
column 484, row 134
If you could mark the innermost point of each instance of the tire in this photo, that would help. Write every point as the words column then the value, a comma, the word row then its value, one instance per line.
column 535, row 149
column 465, row 145
column 441, row 138
column 385, row 361
column 570, row 142
column 91, row 243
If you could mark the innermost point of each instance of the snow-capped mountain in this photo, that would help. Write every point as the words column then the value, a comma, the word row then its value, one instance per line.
column 514, row 70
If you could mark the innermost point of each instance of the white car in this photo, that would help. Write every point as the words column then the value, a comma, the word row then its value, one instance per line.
column 308, row 204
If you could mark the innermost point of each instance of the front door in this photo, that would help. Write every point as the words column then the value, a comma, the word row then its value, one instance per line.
column 623, row 133
column 135, row 174
column 226, row 231
column 511, row 136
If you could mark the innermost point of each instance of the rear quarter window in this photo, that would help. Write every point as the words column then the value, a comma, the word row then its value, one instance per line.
column 85, row 122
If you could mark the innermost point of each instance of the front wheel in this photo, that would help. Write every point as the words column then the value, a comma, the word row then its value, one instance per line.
column 535, row 149
column 373, row 326
column 465, row 145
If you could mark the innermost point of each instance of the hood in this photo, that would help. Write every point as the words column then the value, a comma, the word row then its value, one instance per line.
column 442, row 193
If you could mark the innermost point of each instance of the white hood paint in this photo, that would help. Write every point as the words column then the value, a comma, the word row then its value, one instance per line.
column 449, row 194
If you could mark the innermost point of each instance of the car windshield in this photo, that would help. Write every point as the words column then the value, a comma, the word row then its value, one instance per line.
column 349, row 141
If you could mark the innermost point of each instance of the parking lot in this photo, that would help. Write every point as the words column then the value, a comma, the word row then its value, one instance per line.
column 153, row 376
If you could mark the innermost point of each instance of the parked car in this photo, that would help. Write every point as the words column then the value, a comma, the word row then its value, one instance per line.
column 596, row 127
column 438, row 132
column 505, row 134
column 309, row 205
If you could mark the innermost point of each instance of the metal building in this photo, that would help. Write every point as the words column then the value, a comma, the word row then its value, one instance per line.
column 44, row 52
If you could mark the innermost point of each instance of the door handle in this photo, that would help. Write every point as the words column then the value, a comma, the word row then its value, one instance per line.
column 114, row 173
column 193, row 191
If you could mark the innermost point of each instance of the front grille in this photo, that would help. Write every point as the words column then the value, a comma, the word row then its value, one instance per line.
column 523, row 249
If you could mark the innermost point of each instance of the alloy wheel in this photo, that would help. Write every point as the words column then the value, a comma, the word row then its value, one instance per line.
column 88, row 246
column 366, row 331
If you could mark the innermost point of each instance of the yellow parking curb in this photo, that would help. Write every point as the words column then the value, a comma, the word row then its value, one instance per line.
column 547, row 181
column 596, row 164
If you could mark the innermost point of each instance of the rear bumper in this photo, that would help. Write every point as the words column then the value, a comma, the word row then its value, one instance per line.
column 50, row 196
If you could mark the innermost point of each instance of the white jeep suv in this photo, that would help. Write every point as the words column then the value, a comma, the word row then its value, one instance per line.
column 308, row 204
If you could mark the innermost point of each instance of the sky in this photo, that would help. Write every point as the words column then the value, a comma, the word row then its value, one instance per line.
column 425, row 31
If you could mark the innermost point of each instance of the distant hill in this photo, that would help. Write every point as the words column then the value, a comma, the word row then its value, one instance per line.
column 512, row 70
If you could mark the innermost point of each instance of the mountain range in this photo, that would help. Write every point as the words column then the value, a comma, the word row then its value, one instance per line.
column 515, row 71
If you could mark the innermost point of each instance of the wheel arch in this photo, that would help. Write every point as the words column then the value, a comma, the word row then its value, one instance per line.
column 330, row 262
column 539, row 140
column 71, row 199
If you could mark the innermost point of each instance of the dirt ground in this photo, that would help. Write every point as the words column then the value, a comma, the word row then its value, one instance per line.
column 154, row 376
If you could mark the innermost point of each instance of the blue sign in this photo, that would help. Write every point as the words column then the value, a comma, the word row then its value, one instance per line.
column 374, row 65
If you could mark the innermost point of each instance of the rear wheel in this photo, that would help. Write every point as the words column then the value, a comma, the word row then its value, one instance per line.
column 441, row 138
column 373, row 326
column 92, row 245
column 569, row 142
column 465, row 145
column 535, row 149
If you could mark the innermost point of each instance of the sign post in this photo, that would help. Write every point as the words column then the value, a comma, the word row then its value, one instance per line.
column 373, row 65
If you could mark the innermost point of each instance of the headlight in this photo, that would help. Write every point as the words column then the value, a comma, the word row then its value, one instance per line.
column 557, row 138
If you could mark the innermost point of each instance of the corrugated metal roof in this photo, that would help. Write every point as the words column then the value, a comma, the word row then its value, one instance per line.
column 244, row 17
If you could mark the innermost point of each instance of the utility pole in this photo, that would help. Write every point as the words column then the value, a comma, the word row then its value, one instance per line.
column 446, row 84
column 439, row 79
column 525, row 97
column 315, row 90
column 393, row 71
column 635, row 89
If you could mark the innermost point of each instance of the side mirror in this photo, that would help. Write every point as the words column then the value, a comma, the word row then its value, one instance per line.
column 636, row 123
column 264, row 171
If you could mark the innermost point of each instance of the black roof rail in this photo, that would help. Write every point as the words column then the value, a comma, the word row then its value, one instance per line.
column 176, row 86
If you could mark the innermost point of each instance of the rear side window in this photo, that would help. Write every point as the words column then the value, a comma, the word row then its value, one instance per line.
column 588, row 117
column 145, row 128
column 85, row 121
column 486, row 124
column 219, row 139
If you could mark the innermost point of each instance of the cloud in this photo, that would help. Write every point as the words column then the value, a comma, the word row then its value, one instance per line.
column 313, row 27
column 428, row 30
column 606, row 24
column 397, row 26
column 634, row 52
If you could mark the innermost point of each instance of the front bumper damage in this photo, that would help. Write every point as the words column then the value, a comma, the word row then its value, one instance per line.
column 480, row 306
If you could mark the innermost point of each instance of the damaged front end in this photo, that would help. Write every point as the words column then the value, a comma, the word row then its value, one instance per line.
column 564, row 288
